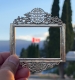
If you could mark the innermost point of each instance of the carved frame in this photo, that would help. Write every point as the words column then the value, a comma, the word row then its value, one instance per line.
column 38, row 18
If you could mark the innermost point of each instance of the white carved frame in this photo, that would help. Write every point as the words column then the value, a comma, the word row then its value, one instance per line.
column 43, row 62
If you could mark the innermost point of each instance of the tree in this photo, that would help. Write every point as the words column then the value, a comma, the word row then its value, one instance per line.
column 30, row 51
column 37, row 51
column 23, row 53
column 73, row 49
column 45, row 50
column 54, row 38
column 33, row 51
column 54, row 34
column 66, row 17
column 53, row 43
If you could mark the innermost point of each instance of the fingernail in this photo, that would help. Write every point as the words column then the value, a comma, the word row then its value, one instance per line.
column 14, row 59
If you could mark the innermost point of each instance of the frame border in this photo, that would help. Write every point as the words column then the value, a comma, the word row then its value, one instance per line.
column 62, row 42
column 39, row 18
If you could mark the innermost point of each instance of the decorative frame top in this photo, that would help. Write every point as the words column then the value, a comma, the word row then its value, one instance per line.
column 37, row 16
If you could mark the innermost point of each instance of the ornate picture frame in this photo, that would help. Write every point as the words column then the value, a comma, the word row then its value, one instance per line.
column 38, row 18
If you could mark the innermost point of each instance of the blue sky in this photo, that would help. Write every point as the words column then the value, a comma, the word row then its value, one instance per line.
column 33, row 32
column 10, row 9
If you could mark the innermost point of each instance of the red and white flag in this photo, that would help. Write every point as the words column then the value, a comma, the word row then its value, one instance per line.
column 35, row 40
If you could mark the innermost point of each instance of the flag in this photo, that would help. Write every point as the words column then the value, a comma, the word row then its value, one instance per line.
column 35, row 40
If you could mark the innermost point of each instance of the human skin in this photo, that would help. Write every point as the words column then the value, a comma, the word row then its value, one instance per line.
column 10, row 68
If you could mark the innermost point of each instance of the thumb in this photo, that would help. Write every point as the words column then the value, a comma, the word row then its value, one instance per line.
column 11, row 63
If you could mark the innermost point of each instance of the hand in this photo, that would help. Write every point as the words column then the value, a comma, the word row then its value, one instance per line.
column 10, row 68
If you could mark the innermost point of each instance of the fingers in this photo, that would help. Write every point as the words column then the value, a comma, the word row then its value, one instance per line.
column 11, row 64
column 3, row 57
column 22, row 73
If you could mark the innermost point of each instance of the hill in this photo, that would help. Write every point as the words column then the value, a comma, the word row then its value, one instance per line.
column 5, row 45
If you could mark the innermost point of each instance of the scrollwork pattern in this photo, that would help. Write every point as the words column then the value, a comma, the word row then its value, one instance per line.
column 37, row 16
column 38, row 66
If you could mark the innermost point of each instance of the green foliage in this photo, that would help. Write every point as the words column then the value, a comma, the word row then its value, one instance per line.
column 52, row 44
column 42, row 53
column 74, row 76
column 67, row 19
column 31, row 52
column 70, row 69
column 23, row 53
column 46, row 47
column 73, row 48
column 55, row 8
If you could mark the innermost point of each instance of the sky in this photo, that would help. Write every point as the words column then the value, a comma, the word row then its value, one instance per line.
column 11, row 9
column 28, row 33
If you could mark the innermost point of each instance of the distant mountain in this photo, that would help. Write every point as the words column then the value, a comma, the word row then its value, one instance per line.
column 5, row 45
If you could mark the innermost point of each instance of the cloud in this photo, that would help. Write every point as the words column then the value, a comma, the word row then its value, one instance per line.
column 46, row 34
column 73, row 25
column 29, row 37
column 26, row 37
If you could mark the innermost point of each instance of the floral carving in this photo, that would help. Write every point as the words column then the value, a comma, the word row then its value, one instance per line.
column 37, row 16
